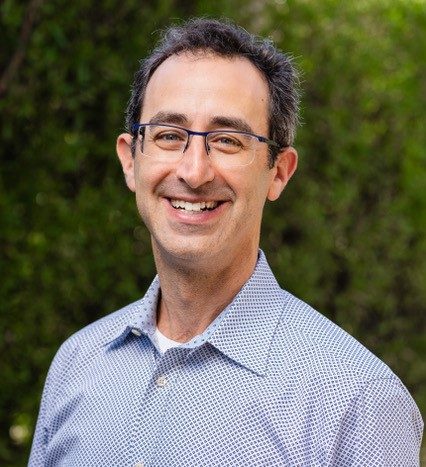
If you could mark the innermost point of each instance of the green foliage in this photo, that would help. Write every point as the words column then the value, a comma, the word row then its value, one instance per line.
column 348, row 236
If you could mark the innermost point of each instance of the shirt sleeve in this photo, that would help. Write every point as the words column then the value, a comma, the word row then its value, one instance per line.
column 37, row 457
column 382, row 427
column 55, row 378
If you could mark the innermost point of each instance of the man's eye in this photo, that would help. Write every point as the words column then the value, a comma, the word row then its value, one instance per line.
column 226, row 140
column 169, row 136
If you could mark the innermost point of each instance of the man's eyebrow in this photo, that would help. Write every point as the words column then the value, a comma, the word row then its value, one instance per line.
column 217, row 121
column 232, row 122
column 169, row 117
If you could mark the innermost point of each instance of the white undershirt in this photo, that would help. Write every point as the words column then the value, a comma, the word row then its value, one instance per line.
column 163, row 343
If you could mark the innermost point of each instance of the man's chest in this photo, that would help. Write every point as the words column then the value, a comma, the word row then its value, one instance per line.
column 194, row 410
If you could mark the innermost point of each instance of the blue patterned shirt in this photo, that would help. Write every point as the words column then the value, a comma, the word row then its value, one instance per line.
column 270, row 382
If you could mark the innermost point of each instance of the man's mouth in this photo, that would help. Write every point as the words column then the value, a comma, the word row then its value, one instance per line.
column 194, row 207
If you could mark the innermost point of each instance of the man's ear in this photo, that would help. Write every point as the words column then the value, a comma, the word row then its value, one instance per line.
column 124, row 152
column 284, row 168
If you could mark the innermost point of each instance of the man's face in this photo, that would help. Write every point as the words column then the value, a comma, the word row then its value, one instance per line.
column 198, row 92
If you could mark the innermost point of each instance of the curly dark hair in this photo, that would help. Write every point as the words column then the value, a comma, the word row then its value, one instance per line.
column 228, row 40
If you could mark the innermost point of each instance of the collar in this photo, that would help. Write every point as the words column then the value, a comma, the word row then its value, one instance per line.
column 244, row 329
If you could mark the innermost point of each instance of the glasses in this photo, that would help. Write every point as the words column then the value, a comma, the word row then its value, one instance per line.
column 227, row 148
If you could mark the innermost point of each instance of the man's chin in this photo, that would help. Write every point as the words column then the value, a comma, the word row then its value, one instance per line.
column 188, row 254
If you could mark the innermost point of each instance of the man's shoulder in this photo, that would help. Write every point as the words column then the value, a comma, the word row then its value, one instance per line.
column 339, row 390
column 92, row 338
column 105, row 328
column 321, row 347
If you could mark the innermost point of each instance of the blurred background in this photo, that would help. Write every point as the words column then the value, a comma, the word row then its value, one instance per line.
column 347, row 236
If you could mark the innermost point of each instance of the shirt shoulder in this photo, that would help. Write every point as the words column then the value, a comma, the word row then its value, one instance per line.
column 106, row 328
column 321, row 348
column 86, row 344
column 366, row 412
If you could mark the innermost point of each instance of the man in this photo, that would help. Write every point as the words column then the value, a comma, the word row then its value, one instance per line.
column 217, row 365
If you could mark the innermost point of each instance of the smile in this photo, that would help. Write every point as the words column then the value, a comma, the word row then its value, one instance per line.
column 194, row 207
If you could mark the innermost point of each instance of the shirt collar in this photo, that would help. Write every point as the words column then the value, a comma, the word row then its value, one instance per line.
column 246, row 332
column 243, row 331
column 142, row 316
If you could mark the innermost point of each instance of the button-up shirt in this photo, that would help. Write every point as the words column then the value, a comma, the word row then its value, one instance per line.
column 270, row 382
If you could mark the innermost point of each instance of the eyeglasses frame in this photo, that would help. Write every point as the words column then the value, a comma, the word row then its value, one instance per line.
column 136, row 127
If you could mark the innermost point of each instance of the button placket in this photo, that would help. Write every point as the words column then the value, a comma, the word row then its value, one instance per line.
column 154, row 407
column 168, row 367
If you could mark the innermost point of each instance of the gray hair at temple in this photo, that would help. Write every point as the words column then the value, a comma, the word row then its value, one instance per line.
column 228, row 40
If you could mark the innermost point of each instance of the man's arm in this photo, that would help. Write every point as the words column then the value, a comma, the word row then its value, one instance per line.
column 382, row 427
column 54, row 381
column 38, row 449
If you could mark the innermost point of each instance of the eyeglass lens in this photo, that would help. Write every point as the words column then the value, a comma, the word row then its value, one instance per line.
column 226, row 148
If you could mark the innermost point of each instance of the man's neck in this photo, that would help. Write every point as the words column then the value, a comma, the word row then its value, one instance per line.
column 193, row 296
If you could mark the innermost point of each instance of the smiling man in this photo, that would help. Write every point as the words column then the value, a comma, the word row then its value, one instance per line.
column 217, row 365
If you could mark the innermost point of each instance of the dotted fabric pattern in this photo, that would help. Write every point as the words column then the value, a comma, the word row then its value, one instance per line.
column 270, row 382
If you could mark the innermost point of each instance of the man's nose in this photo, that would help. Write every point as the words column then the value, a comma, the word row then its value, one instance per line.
column 195, row 167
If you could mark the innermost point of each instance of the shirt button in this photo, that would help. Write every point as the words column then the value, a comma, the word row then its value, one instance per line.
column 136, row 332
column 139, row 464
column 161, row 381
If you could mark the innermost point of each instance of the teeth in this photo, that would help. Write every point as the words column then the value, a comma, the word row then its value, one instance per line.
column 197, row 207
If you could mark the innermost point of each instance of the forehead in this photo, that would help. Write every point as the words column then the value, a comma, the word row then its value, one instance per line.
column 203, row 86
